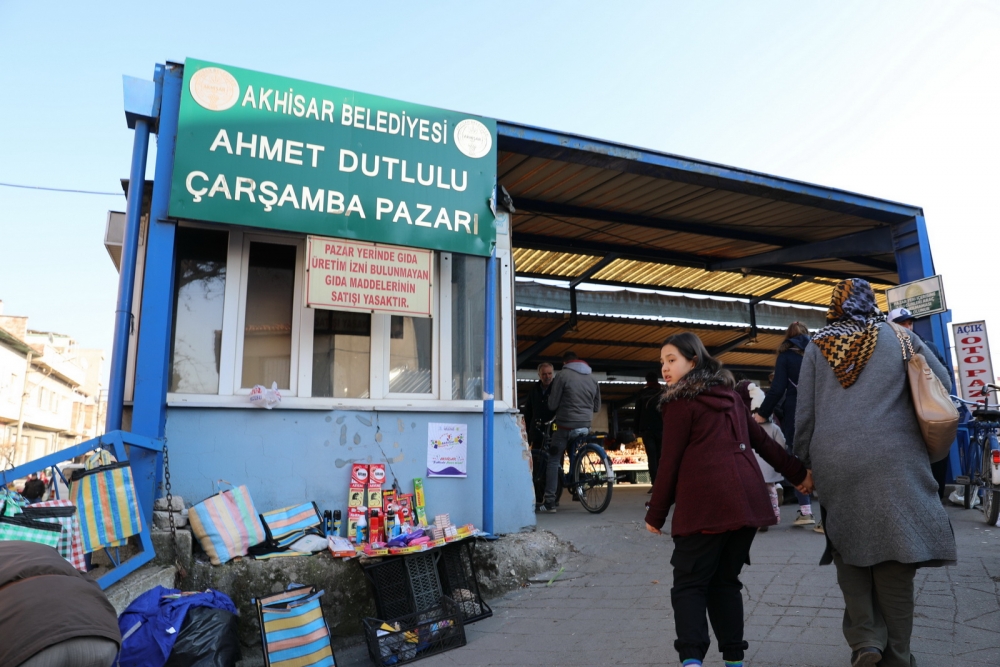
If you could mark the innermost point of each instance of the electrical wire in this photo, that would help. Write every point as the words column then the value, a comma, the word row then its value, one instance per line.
column 78, row 192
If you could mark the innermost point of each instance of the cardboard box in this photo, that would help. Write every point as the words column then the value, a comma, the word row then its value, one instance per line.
column 359, row 475
column 406, row 507
column 418, row 493
column 376, row 475
column 422, row 517
column 356, row 498
column 388, row 498
column 374, row 498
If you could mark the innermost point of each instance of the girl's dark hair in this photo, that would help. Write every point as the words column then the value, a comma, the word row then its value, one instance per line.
column 692, row 349
column 794, row 329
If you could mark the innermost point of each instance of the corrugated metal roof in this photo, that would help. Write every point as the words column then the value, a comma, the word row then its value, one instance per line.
column 680, row 225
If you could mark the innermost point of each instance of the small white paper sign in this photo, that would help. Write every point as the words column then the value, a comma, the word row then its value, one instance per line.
column 447, row 447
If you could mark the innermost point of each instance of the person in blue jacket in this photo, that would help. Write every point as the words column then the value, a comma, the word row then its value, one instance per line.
column 785, row 385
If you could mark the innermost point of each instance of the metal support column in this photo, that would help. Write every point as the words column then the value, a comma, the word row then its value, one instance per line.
column 914, row 261
column 153, row 354
column 489, row 381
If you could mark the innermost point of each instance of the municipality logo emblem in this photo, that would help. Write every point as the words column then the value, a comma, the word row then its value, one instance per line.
column 473, row 138
column 214, row 88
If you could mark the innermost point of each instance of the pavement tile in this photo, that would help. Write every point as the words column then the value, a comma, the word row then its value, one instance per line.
column 605, row 610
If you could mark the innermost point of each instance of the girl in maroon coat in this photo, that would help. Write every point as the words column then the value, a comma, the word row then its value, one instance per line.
column 708, row 469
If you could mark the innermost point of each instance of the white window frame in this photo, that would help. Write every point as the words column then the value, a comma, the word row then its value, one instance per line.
column 299, row 396
column 294, row 371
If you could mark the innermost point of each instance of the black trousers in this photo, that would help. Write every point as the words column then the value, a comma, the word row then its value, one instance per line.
column 651, row 442
column 707, row 578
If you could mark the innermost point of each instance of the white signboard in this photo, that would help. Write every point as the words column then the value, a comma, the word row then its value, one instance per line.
column 975, row 367
column 369, row 277
column 921, row 297
column 447, row 448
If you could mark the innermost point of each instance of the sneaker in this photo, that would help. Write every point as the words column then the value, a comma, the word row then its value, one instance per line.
column 545, row 507
column 803, row 519
column 868, row 656
column 781, row 494
column 819, row 529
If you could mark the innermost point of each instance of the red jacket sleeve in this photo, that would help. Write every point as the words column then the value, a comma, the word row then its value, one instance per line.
column 773, row 453
column 676, row 435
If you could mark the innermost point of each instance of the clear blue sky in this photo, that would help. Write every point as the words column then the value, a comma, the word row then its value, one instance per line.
column 896, row 99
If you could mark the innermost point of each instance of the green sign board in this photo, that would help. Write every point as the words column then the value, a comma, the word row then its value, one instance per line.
column 268, row 151
column 921, row 297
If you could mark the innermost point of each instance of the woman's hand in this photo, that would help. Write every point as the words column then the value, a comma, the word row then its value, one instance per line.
column 757, row 418
column 807, row 486
column 654, row 531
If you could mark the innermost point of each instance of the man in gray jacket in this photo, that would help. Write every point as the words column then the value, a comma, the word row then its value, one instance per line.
column 574, row 397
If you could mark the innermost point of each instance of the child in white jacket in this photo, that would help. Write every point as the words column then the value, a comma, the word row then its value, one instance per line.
column 753, row 396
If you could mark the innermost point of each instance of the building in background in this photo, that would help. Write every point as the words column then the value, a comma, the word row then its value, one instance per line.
column 50, row 392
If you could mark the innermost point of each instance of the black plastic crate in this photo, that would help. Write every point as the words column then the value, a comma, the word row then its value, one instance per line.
column 404, row 585
column 420, row 635
column 458, row 580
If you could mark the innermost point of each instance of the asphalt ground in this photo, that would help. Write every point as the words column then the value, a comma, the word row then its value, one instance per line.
column 608, row 602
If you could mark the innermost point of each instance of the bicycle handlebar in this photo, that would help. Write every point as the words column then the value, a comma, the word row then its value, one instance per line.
column 981, row 406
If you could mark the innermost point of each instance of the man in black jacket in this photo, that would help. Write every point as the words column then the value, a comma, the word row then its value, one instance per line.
column 536, row 413
column 649, row 422
column 536, row 408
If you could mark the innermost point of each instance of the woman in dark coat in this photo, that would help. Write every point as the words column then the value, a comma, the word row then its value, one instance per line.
column 785, row 385
column 709, row 446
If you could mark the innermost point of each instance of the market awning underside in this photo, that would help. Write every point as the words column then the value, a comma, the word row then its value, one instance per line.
column 596, row 213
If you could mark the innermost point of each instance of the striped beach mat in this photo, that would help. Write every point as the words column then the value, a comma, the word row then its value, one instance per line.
column 293, row 629
column 284, row 527
column 226, row 525
column 104, row 495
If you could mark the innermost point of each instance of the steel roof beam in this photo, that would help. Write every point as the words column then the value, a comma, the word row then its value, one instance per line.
column 639, row 345
column 666, row 224
column 663, row 256
column 679, row 290
column 876, row 241
column 557, row 333
column 565, row 147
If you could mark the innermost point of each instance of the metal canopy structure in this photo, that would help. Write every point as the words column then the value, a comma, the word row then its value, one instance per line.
column 590, row 211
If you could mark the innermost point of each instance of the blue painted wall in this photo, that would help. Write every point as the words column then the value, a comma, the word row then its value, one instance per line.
column 292, row 456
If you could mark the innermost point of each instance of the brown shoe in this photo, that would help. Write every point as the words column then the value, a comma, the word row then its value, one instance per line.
column 869, row 656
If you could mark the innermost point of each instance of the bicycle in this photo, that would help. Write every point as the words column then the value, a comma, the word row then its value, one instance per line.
column 979, row 456
column 589, row 476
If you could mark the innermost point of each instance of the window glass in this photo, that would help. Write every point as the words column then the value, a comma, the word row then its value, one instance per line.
column 341, row 354
column 468, row 328
column 410, row 352
column 267, row 334
column 199, row 298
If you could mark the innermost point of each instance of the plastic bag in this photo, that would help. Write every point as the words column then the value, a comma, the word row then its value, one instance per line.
column 262, row 397
column 208, row 638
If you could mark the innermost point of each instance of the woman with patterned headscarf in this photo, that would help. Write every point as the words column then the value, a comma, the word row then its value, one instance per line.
column 857, row 431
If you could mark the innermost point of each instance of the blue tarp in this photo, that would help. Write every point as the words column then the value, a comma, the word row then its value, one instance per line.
column 159, row 621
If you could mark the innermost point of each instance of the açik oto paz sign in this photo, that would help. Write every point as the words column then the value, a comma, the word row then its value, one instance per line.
column 975, row 365
column 368, row 277
column 268, row 151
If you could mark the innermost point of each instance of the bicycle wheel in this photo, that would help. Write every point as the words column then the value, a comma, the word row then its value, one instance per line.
column 991, row 497
column 973, row 465
column 991, row 506
column 593, row 478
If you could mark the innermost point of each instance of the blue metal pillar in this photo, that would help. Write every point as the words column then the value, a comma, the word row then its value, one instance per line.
column 914, row 261
column 153, row 355
column 489, row 386
column 142, row 102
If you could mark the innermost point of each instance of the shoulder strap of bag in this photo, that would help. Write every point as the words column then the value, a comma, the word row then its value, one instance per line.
column 905, row 342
